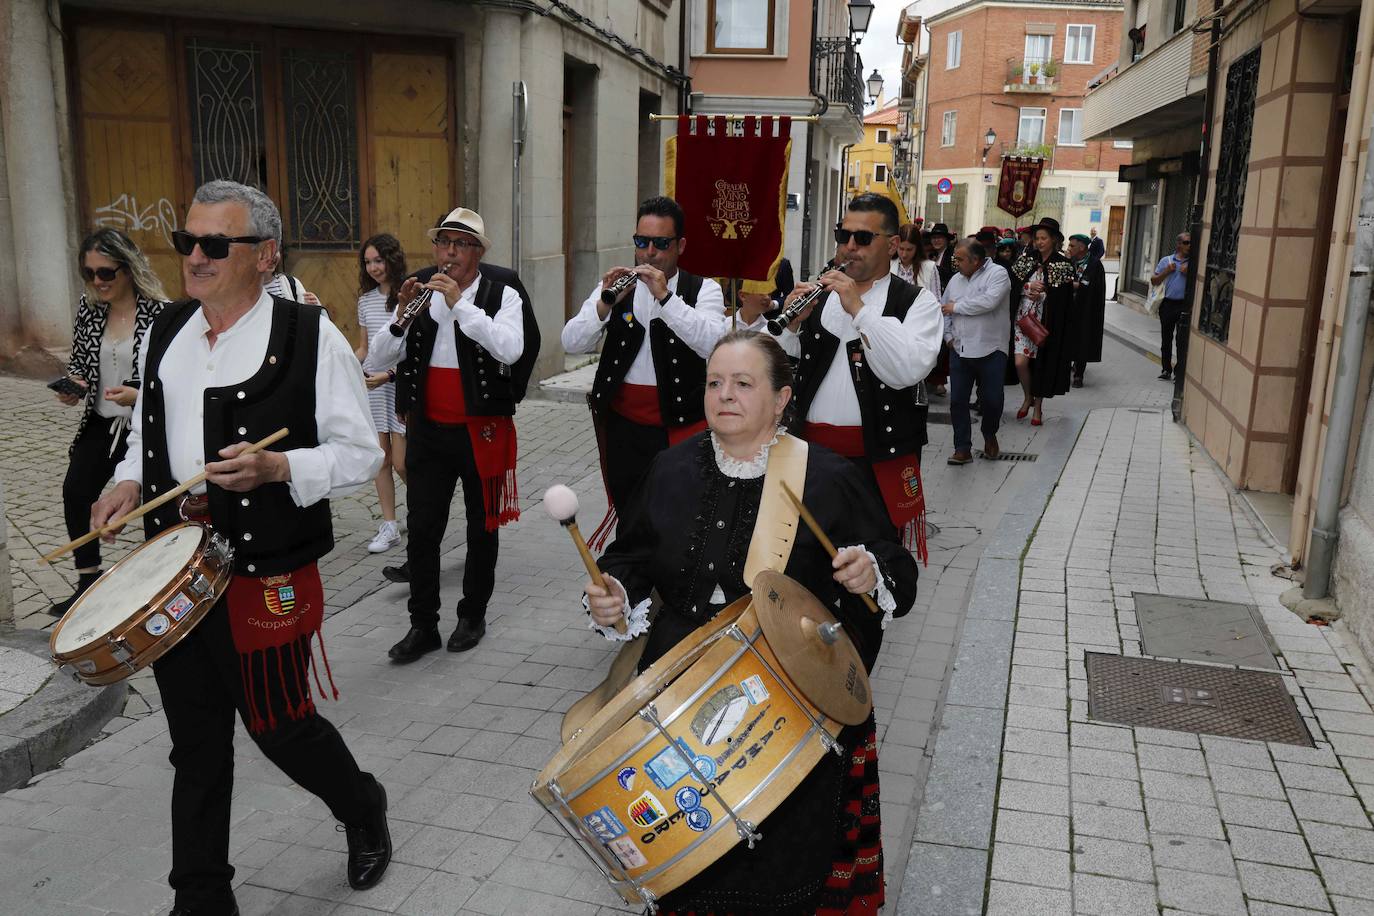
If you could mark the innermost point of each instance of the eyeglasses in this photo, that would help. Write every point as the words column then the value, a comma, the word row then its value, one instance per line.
column 104, row 274
column 661, row 242
column 215, row 247
column 456, row 244
column 862, row 237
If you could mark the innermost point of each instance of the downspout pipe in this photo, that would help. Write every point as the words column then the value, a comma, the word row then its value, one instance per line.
column 1336, row 262
column 1344, row 394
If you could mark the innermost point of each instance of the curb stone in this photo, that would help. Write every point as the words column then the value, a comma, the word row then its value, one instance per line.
column 62, row 717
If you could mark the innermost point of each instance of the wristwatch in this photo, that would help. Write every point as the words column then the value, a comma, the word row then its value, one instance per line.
column 666, row 296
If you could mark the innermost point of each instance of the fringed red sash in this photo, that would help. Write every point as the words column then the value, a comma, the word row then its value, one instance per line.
column 639, row 404
column 272, row 620
column 494, row 449
column 899, row 481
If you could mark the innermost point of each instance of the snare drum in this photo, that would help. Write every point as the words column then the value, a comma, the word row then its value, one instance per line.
column 144, row 605
column 688, row 759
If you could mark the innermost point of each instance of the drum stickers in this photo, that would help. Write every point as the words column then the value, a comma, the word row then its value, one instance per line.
column 627, row 852
column 669, row 765
column 178, row 606
column 646, row 810
column 604, row 825
column 626, row 778
column 720, row 715
column 157, row 624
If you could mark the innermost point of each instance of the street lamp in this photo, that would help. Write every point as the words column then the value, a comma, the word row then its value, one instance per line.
column 860, row 12
column 875, row 85
column 988, row 139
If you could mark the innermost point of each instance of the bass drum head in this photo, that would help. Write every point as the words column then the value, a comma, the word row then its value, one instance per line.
column 129, row 587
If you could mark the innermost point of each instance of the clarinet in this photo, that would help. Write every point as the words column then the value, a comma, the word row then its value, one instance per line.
column 789, row 314
column 412, row 311
column 613, row 292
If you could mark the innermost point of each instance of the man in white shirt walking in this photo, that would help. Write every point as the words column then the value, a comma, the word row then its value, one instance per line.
column 228, row 366
column 978, row 328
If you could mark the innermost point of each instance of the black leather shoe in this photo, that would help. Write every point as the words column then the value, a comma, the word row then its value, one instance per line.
column 414, row 644
column 468, row 634
column 397, row 573
column 83, row 582
column 369, row 848
column 185, row 909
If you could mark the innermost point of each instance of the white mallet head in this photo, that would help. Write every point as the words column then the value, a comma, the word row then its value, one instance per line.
column 561, row 503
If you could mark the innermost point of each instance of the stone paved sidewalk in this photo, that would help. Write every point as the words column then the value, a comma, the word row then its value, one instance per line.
column 1097, row 818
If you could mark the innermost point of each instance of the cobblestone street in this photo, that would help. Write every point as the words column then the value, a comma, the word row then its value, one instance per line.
column 458, row 739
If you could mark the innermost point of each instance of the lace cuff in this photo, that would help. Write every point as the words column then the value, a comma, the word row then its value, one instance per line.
column 880, row 593
column 636, row 618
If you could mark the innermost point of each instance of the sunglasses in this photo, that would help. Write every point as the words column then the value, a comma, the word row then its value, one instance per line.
column 215, row 247
column 661, row 242
column 456, row 244
column 862, row 237
column 104, row 274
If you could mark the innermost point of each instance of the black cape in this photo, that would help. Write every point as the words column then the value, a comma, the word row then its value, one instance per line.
column 1052, row 368
column 1090, row 310
column 688, row 529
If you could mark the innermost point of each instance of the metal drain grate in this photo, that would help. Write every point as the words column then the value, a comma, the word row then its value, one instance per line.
column 1205, row 631
column 1193, row 698
column 1010, row 456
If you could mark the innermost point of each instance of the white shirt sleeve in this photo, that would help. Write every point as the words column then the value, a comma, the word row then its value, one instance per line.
column 583, row 330
column 130, row 467
column 790, row 342
column 503, row 336
column 902, row 353
column 385, row 350
column 993, row 290
column 700, row 326
column 348, row 455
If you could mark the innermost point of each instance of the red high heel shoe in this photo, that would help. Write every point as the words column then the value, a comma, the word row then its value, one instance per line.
column 1037, row 421
column 1021, row 414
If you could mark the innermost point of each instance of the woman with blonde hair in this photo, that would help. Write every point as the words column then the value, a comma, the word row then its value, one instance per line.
column 110, row 326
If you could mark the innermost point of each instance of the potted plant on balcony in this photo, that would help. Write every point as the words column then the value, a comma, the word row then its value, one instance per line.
column 1035, row 74
column 1018, row 73
column 1051, row 70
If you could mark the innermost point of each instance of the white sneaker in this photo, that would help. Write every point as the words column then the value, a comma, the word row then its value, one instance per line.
column 388, row 536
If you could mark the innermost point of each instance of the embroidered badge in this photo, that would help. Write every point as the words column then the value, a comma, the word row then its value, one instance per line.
column 911, row 484
column 280, row 600
column 488, row 432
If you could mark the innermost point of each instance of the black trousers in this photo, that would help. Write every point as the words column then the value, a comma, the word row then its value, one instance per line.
column 1173, row 321
column 630, row 446
column 90, row 468
column 437, row 458
column 201, row 683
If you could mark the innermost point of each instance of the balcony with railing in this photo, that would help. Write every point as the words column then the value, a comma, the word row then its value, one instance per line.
column 1032, row 75
column 839, row 75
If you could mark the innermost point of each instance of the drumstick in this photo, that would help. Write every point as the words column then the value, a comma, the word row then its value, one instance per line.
column 561, row 504
column 820, row 536
column 145, row 508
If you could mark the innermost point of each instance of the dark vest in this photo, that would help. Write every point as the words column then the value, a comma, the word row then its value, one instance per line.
column 487, row 389
column 680, row 372
column 892, row 423
column 270, row 534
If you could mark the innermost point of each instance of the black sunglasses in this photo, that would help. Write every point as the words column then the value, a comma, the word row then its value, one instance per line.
column 661, row 242
column 105, row 274
column 215, row 247
column 863, row 237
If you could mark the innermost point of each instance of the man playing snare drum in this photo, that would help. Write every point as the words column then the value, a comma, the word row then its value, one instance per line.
column 238, row 364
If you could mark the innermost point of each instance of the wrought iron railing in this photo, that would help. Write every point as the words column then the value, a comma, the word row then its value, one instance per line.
column 839, row 74
column 1032, row 74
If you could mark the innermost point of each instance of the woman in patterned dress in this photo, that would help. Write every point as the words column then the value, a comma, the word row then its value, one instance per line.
column 1046, row 278
column 105, row 344
column 381, row 269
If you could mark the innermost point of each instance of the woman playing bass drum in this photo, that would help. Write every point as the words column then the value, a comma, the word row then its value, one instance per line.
column 686, row 535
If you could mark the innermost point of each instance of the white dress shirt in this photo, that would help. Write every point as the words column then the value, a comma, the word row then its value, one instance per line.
column 503, row 336
column 348, row 455
column 699, row 327
column 900, row 353
column 981, row 323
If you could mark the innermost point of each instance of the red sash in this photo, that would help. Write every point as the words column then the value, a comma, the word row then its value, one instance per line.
column 899, row 480
column 278, row 616
column 494, row 448
column 444, row 396
column 638, row 403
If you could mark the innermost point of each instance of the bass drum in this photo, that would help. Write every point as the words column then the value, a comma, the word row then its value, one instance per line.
column 691, row 756
column 144, row 605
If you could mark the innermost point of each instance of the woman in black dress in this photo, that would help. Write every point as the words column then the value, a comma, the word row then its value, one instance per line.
column 686, row 535
column 1046, row 275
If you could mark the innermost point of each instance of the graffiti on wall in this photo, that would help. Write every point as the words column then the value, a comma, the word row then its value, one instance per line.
column 125, row 214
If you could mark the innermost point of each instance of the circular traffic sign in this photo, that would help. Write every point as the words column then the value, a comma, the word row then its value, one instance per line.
column 944, row 186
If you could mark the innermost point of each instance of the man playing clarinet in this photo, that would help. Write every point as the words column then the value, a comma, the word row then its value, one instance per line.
column 873, row 338
column 226, row 367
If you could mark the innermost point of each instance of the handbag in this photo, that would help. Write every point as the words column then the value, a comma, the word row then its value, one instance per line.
column 1035, row 332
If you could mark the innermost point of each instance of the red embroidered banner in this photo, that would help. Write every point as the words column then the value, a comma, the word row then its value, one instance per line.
column 1020, row 181
column 732, row 185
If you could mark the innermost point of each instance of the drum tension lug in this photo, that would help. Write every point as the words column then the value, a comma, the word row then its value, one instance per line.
column 747, row 832
column 200, row 585
column 830, row 743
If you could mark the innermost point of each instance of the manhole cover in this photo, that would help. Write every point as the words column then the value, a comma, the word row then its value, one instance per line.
column 1205, row 631
column 1010, row 456
column 1192, row 698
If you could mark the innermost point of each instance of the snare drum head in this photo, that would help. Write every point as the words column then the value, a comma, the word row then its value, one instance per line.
column 128, row 587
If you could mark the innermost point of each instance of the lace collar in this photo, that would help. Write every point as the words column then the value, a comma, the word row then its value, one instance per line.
column 751, row 469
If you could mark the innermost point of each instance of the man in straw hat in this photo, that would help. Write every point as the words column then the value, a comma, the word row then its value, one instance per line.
column 454, row 389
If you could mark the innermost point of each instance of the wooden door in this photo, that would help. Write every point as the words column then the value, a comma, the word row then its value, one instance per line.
column 128, row 143
column 1116, row 225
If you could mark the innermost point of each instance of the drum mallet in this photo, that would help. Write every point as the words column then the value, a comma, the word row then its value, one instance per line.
column 145, row 508
column 561, row 504
column 815, row 527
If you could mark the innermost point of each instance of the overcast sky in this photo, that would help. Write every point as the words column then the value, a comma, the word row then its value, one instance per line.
column 880, row 48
